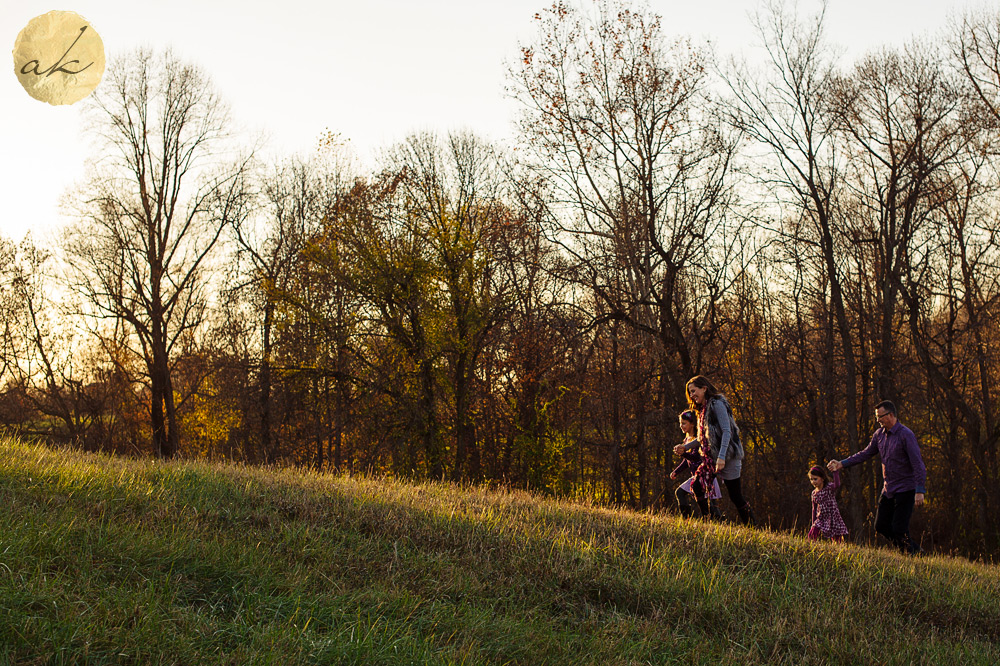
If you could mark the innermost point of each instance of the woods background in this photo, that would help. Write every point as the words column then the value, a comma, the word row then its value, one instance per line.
column 814, row 236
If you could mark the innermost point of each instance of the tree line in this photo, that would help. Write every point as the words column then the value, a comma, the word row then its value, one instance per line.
column 813, row 236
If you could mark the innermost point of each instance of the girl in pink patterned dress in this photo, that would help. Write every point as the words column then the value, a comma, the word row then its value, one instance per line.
column 826, row 520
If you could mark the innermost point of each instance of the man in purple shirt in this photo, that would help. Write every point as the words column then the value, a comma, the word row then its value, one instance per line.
column 904, row 473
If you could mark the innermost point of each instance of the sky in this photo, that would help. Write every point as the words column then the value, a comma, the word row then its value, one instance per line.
column 371, row 70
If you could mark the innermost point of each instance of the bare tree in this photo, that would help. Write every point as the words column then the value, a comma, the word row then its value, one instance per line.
column 619, row 120
column 162, row 190
column 269, row 249
column 974, row 43
column 899, row 110
column 789, row 110
column 952, row 296
column 46, row 360
column 10, row 307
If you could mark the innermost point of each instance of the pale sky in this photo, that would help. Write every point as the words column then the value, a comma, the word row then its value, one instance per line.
column 371, row 70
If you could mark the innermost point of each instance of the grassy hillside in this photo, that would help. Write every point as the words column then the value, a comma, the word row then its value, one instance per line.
column 115, row 561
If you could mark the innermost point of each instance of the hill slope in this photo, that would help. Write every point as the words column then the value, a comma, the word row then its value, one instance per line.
column 106, row 560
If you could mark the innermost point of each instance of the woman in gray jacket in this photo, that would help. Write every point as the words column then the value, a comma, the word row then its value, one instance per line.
column 719, row 439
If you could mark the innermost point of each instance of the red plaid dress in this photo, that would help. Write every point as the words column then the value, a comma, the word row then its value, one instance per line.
column 826, row 520
column 704, row 475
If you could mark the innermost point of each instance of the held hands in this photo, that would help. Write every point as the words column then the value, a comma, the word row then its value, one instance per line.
column 673, row 475
column 835, row 466
column 680, row 448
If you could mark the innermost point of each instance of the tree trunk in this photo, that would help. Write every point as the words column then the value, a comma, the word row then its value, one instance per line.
column 435, row 465
column 265, row 385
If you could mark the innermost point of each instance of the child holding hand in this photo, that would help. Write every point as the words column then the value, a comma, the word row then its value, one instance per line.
column 690, row 460
column 826, row 520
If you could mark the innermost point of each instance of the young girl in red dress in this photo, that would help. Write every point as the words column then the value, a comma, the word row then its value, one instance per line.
column 826, row 520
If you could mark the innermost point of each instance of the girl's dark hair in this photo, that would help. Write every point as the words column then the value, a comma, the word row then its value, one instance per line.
column 820, row 471
column 689, row 416
column 701, row 382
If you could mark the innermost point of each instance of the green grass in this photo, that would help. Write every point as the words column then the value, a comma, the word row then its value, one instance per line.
column 118, row 561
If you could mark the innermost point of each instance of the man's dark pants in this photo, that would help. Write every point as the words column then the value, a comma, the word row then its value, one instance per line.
column 893, row 520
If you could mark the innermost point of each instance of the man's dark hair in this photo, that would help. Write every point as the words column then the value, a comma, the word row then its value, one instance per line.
column 887, row 406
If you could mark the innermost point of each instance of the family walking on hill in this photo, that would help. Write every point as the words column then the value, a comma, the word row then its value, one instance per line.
column 712, row 450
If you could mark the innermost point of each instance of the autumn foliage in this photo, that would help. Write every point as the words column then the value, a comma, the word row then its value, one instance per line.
column 813, row 235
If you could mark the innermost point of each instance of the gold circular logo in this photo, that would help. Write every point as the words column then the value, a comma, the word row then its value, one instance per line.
column 59, row 57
